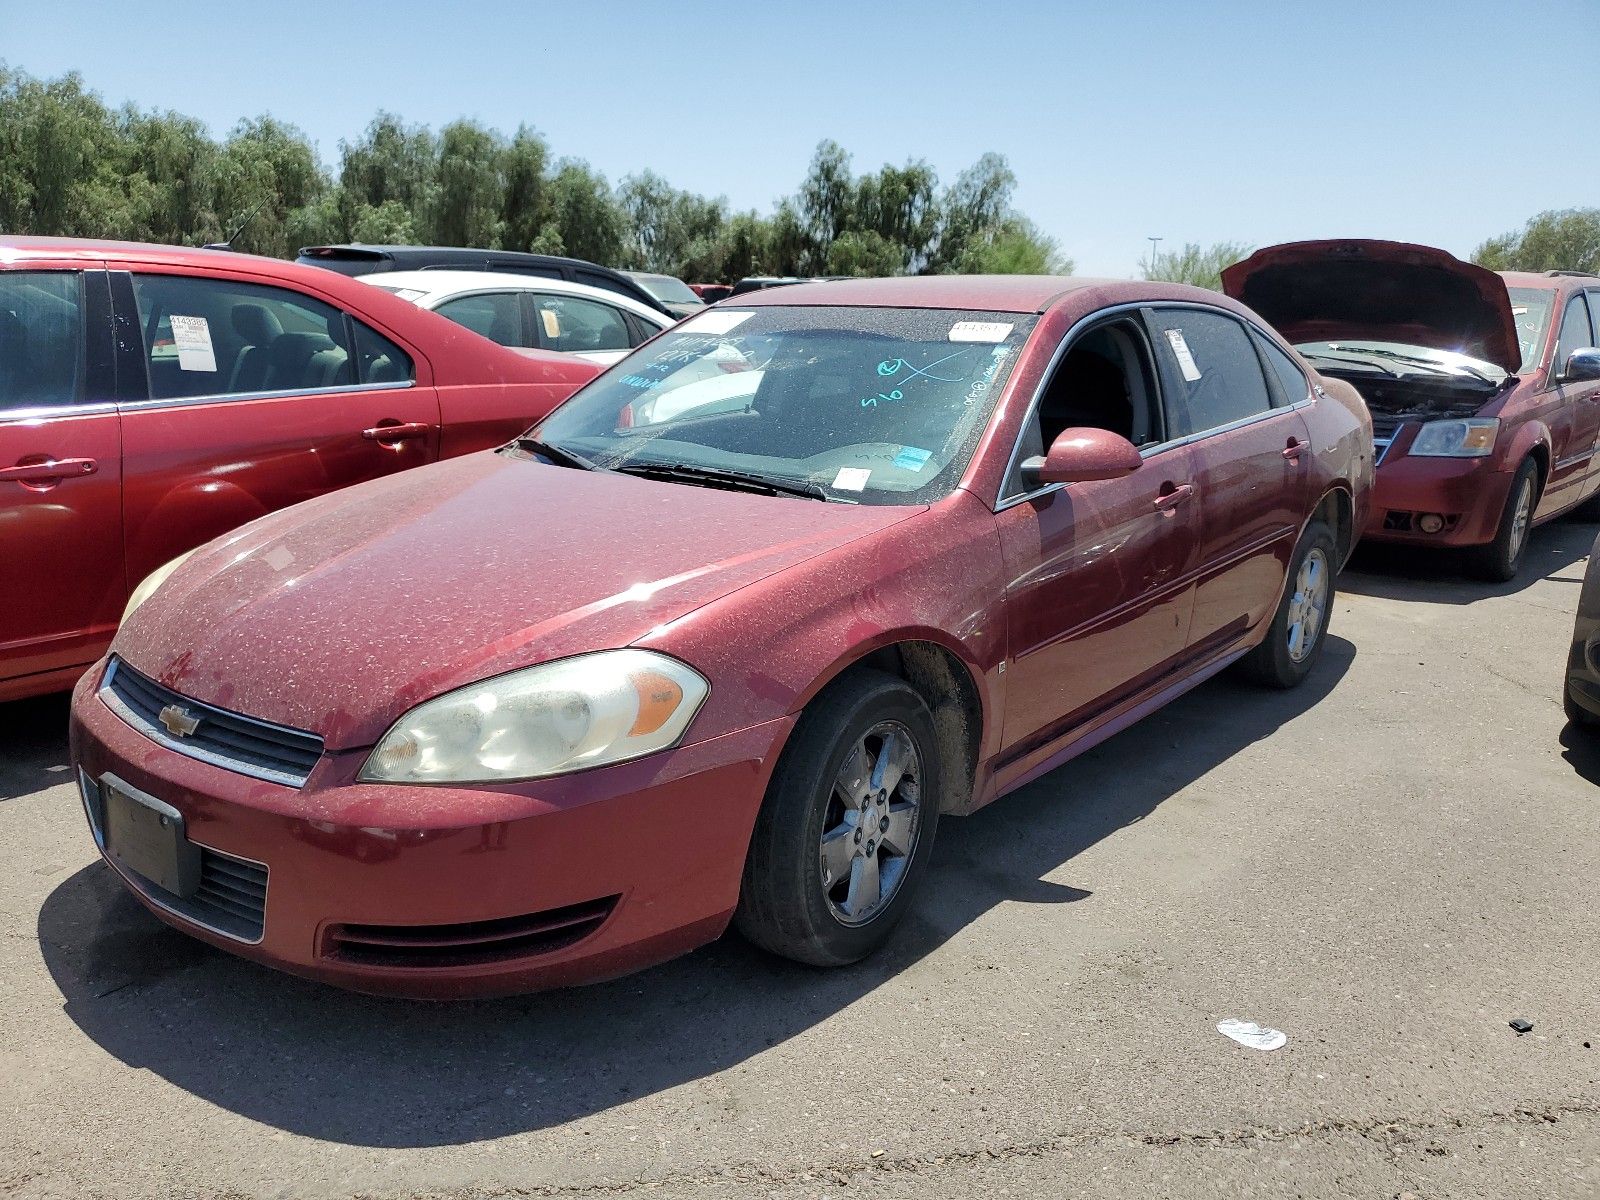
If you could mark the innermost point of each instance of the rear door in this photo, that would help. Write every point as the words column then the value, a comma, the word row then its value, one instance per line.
column 497, row 316
column 259, row 396
column 1239, row 415
column 578, row 325
column 62, row 583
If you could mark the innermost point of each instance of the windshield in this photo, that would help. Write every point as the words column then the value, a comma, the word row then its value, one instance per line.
column 1399, row 358
column 871, row 405
column 1531, row 307
column 665, row 287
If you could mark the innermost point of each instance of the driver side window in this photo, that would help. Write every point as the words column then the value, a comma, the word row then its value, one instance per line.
column 1575, row 333
column 1105, row 380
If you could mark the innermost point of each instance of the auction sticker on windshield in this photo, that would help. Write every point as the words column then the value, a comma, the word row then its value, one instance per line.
column 980, row 331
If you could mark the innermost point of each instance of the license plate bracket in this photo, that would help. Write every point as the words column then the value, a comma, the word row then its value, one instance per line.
column 148, row 837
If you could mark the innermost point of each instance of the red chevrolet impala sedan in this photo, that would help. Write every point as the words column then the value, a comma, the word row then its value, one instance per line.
column 152, row 397
column 723, row 637
column 1484, row 388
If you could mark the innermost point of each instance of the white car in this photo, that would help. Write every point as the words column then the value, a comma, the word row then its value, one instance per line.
column 529, row 311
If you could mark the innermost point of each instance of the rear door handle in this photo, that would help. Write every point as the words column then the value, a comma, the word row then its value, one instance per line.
column 1172, row 495
column 1294, row 450
column 52, row 469
column 398, row 432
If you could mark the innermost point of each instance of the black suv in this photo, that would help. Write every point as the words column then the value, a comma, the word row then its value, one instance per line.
column 357, row 259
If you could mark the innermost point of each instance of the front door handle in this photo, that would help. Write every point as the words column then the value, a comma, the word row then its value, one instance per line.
column 398, row 432
column 1172, row 495
column 1294, row 450
column 52, row 470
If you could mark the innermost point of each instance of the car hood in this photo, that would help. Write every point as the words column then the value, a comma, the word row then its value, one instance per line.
column 338, row 615
column 1383, row 291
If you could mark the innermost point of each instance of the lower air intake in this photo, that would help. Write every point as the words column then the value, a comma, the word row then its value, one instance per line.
column 468, row 943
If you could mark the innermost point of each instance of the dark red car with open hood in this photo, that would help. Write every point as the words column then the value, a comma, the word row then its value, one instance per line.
column 1484, row 388
column 723, row 637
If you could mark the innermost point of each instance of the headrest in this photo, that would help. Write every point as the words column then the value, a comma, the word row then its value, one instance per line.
column 256, row 323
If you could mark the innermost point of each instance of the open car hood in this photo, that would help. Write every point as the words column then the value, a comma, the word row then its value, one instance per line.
column 1379, row 291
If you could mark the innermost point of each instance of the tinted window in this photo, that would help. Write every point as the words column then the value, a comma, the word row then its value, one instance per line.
column 378, row 360
column 1575, row 331
column 1290, row 377
column 511, row 268
column 572, row 324
column 216, row 337
column 1215, row 372
column 599, row 281
column 41, row 344
column 496, row 316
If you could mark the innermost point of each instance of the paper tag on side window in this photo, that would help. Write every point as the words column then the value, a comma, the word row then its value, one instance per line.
column 1186, row 362
column 192, row 337
column 717, row 321
column 851, row 479
column 980, row 331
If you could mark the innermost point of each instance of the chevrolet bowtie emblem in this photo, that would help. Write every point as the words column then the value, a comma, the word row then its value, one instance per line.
column 178, row 720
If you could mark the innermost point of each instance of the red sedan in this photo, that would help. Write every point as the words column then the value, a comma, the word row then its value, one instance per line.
column 153, row 397
column 723, row 637
column 1484, row 388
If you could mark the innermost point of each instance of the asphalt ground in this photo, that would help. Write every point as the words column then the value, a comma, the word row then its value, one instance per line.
column 1388, row 865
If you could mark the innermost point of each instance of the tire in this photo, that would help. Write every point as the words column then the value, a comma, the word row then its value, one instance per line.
column 1284, row 658
column 802, row 902
column 1576, row 713
column 1500, row 560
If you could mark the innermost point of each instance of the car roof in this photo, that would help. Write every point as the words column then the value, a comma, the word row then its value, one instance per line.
column 1549, row 280
column 453, row 283
column 15, row 246
column 993, row 293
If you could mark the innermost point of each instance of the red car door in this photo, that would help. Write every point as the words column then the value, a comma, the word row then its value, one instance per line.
column 1251, row 461
column 1576, row 411
column 1099, row 585
column 260, row 396
column 61, row 572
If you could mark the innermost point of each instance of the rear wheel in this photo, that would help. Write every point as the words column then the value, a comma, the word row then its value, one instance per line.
column 847, row 825
column 1500, row 560
column 1576, row 713
column 1294, row 640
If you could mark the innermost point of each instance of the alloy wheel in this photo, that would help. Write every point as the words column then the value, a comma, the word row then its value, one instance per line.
column 1308, row 605
column 872, row 823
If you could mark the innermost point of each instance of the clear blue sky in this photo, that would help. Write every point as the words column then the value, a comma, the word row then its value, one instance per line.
column 1197, row 121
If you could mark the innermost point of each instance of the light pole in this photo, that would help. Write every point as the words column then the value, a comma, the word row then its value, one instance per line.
column 1151, row 266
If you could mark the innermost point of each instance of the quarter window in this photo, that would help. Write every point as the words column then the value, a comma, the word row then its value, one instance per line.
column 573, row 324
column 494, row 315
column 1296, row 387
column 1213, row 368
column 1575, row 332
column 41, row 338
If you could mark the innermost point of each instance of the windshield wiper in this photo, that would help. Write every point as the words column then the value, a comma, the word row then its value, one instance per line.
column 555, row 453
column 736, row 480
column 1432, row 363
column 1349, row 357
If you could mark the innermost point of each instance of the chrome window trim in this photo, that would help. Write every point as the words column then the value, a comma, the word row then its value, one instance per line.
column 41, row 412
column 1145, row 452
column 284, row 394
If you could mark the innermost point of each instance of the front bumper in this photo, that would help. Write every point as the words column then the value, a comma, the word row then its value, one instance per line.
column 1469, row 493
column 419, row 891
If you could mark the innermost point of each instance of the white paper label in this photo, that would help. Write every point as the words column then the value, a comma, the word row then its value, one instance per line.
column 192, row 337
column 718, row 320
column 1186, row 362
column 851, row 479
column 980, row 331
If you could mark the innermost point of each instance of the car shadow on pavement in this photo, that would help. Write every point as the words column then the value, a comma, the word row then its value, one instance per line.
column 1441, row 576
column 33, row 745
column 357, row 1070
column 1580, row 747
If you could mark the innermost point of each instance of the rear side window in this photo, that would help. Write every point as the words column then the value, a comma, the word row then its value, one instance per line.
column 41, row 338
column 1296, row 387
column 494, row 315
column 573, row 324
column 1575, row 331
column 600, row 281
column 378, row 360
column 1213, row 367
column 221, row 337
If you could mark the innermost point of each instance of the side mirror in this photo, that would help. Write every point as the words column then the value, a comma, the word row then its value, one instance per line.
column 1582, row 366
column 1080, row 455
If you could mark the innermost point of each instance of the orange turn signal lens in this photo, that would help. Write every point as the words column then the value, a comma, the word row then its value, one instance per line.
column 659, row 698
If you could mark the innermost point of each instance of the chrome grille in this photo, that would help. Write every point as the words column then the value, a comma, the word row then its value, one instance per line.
column 222, row 738
column 232, row 896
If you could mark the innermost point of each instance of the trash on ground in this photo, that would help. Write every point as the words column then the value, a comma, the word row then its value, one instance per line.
column 1522, row 1026
column 1257, row 1037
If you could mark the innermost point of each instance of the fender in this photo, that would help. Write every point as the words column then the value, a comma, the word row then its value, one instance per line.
column 1529, row 436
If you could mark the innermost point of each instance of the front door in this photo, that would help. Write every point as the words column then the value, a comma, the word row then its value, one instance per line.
column 259, row 397
column 61, row 573
column 1574, row 475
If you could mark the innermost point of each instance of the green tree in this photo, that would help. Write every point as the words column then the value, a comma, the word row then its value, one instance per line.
column 1012, row 246
column 1196, row 264
column 468, row 187
column 667, row 228
column 864, row 252
column 1558, row 240
column 973, row 209
column 524, row 202
column 390, row 161
column 584, row 214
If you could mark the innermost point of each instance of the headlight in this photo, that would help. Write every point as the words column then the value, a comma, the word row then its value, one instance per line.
column 588, row 711
column 152, row 581
column 1469, row 438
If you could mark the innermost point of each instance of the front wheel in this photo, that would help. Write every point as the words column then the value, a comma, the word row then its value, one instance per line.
column 847, row 825
column 1500, row 560
column 1294, row 639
